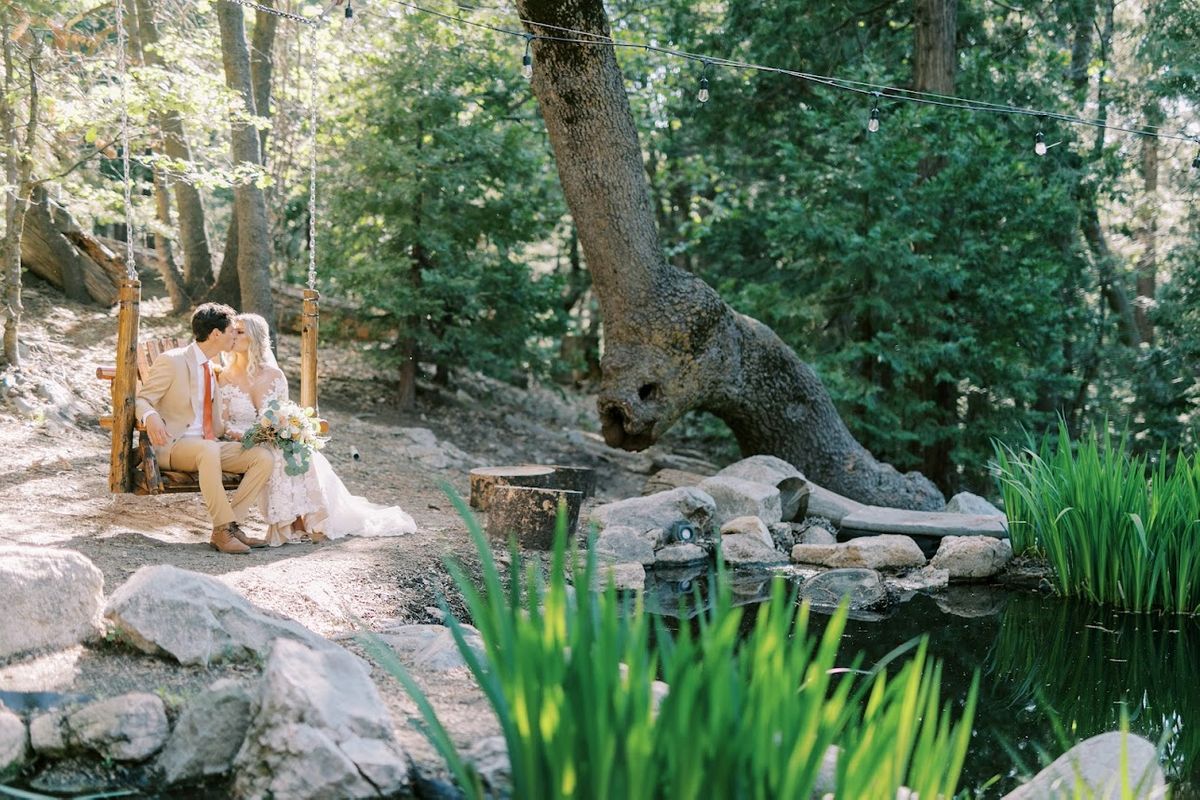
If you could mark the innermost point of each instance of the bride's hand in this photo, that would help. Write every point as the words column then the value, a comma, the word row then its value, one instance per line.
column 234, row 435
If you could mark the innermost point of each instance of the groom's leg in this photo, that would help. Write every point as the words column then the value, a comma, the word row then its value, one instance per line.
column 255, row 464
column 203, row 456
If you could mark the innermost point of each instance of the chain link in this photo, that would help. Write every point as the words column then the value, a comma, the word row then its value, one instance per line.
column 312, row 162
column 275, row 11
column 130, row 267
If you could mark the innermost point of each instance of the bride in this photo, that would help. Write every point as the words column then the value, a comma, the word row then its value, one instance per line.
column 315, row 505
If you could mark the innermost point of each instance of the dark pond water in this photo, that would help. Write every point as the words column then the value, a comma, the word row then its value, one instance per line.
column 1052, row 673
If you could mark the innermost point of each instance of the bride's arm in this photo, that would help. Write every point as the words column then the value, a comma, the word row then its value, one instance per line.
column 278, row 389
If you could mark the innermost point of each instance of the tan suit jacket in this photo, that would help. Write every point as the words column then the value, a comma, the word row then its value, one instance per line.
column 170, row 389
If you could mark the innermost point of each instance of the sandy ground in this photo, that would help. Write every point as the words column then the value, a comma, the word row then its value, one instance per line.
column 53, row 493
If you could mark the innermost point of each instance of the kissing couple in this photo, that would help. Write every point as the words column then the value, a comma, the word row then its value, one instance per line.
column 195, row 413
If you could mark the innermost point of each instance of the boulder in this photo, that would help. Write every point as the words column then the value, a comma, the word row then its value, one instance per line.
column 735, row 497
column 658, row 510
column 749, row 526
column 863, row 587
column 793, row 488
column 676, row 555
column 196, row 619
column 622, row 544
column 52, row 599
column 321, row 731
column 1092, row 769
column 874, row 552
column 919, row 580
column 814, row 533
column 877, row 519
column 129, row 727
column 972, row 557
column 431, row 648
column 14, row 743
column 209, row 733
column 630, row 577
column 967, row 503
column 747, row 550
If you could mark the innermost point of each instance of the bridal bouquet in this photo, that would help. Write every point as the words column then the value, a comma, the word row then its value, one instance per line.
column 290, row 428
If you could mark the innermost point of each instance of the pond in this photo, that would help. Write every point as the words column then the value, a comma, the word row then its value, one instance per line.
column 1052, row 673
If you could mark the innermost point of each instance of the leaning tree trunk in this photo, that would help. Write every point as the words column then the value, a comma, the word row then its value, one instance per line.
column 671, row 343
column 250, row 205
column 193, row 237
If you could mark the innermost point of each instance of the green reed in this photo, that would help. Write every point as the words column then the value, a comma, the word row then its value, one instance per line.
column 1114, row 529
column 571, row 677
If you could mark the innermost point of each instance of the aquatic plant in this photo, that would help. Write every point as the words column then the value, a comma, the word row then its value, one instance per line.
column 571, row 675
column 1114, row 528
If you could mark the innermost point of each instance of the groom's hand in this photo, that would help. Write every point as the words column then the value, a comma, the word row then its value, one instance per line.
column 156, row 429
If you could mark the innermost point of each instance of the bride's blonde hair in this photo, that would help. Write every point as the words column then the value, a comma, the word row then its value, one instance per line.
column 259, row 333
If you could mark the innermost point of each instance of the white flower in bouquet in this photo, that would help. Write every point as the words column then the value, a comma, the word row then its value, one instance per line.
column 291, row 429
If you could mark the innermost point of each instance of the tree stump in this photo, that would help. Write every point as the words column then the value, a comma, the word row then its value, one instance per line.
column 484, row 481
column 531, row 514
column 574, row 479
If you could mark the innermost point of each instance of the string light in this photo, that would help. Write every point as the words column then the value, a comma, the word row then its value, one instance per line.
column 1196, row 160
column 527, row 60
column 349, row 23
column 873, row 120
column 702, row 95
column 1039, row 143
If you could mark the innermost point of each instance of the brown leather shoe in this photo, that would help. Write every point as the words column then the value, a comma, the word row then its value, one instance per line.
column 223, row 540
column 240, row 535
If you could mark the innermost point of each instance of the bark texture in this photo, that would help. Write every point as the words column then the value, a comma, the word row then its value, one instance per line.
column 671, row 343
column 250, row 205
column 55, row 248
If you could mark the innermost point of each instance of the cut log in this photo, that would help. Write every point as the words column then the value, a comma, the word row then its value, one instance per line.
column 531, row 514
column 575, row 479
column 57, row 250
column 484, row 481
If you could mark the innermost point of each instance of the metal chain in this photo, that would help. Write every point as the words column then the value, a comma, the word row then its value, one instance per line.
column 130, row 267
column 275, row 11
column 312, row 162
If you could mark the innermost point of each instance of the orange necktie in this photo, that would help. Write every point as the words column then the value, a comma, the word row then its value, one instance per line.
column 208, row 402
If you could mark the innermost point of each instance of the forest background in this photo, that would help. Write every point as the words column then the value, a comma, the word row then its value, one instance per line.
column 949, row 285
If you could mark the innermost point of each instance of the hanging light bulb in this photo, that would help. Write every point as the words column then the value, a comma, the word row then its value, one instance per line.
column 349, row 23
column 873, row 120
column 702, row 95
column 1039, row 143
column 527, row 60
column 1196, row 160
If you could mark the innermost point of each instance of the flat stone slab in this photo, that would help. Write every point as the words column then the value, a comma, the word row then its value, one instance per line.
column 876, row 519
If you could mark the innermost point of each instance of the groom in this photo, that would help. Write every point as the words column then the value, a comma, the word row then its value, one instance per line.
column 178, row 406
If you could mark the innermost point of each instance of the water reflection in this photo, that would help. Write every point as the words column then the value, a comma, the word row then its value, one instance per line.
column 1053, row 673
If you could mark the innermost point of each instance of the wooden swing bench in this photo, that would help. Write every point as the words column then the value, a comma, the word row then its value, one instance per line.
column 135, row 469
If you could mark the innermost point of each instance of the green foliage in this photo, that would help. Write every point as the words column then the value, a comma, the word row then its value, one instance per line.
column 447, row 186
column 1116, row 528
column 571, row 677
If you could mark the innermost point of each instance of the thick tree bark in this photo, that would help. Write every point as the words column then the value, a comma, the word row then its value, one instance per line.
column 250, row 205
column 193, row 236
column 672, row 344
column 935, row 63
column 18, row 170
column 228, row 285
column 55, row 248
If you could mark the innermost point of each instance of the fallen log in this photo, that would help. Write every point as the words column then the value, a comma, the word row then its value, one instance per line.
column 58, row 251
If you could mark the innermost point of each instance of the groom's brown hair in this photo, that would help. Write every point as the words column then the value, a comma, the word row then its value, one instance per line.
column 210, row 317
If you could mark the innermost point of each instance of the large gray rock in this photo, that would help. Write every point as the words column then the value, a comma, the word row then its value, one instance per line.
column 676, row 555
column 52, row 599
column 872, row 552
column 628, row 577
column 967, row 503
column 209, row 733
column 736, row 497
column 877, row 519
column 747, row 550
column 752, row 526
column 14, row 743
column 129, row 727
column 657, row 510
column 793, row 488
column 863, row 587
column 431, row 648
column 1092, row 769
column 196, row 619
column 621, row 544
column 972, row 557
column 321, row 731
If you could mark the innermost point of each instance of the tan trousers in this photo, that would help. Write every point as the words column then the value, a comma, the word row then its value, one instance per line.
column 209, row 459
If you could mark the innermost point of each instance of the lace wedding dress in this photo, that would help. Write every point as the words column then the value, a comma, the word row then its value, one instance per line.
column 318, row 496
